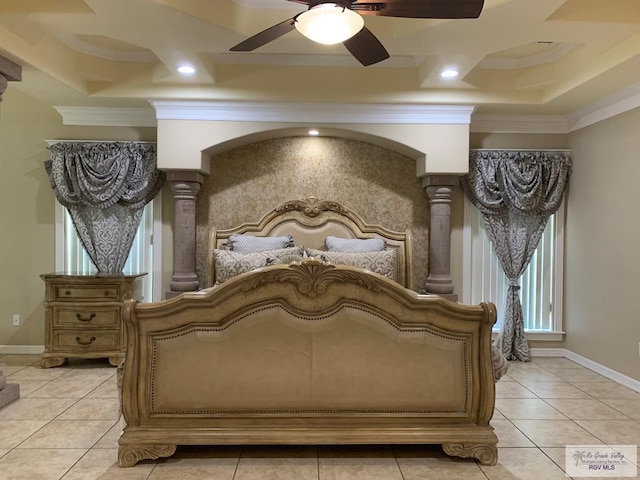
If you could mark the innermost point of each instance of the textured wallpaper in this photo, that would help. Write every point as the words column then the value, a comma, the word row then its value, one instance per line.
column 378, row 184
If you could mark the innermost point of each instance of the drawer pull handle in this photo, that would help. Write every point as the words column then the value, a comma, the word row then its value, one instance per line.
column 107, row 293
column 85, row 319
column 85, row 342
column 67, row 292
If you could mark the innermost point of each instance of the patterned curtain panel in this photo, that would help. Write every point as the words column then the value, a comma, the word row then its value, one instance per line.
column 516, row 191
column 105, row 187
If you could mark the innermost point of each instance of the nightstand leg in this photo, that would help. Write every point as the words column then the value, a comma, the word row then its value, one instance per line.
column 115, row 360
column 48, row 362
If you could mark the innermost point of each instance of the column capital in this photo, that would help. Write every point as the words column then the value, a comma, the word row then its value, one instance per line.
column 185, row 176
column 440, row 180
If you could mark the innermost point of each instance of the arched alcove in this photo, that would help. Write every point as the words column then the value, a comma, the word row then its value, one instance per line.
column 432, row 140
column 249, row 180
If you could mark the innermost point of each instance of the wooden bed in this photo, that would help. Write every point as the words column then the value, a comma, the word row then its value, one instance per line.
column 310, row 221
column 308, row 353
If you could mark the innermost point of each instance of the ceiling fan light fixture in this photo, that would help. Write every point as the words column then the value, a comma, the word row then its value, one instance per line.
column 329, row 23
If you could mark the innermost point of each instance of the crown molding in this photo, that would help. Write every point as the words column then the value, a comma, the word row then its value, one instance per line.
column 620, row 102
column 313, row 112
column 107, row 116
column 610, row 106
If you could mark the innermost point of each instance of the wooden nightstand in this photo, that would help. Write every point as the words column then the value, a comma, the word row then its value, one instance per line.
column 82, row 316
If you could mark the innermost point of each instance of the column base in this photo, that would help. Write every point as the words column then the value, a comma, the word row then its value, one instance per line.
column 184, row 283
column 440, row 284
column 10, row 393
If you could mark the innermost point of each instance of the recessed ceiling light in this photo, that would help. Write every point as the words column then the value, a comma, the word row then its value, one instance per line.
column 314, row 132
column 186, row 69
column 449, row 73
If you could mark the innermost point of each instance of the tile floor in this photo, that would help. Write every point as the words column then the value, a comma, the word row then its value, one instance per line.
column 66, row 426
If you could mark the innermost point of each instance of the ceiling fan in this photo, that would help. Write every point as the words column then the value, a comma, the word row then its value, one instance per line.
column 335, row 21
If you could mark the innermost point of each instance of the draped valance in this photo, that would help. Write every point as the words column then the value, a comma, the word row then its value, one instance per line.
column 528, row 182
column 105, row 186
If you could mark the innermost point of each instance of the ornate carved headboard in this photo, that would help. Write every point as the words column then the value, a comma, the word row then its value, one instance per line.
column 310, row 221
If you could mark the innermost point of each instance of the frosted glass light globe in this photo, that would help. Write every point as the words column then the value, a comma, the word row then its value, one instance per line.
column 329, row 23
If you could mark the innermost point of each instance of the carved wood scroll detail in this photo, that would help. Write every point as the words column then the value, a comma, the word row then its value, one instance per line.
column 486, row 454
column 312, row 206
column 312, row 277
column 129, row 455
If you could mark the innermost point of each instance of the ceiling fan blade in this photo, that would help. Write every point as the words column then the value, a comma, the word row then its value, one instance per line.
column 420, row 8
column 366, row 48
column 265, row 36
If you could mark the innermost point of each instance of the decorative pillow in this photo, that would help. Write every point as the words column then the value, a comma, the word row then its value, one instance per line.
column 383, row 262
column 336, row 244
column 250, row 244
column 229, row 263
column 285, row 259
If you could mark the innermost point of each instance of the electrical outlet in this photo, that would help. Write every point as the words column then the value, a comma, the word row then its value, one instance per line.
column 16, row 319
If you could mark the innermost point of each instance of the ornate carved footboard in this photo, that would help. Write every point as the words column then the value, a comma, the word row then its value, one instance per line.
column 307, row 353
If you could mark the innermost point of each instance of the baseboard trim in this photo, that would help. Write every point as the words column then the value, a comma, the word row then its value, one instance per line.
column 607, row 372
column 21, row 349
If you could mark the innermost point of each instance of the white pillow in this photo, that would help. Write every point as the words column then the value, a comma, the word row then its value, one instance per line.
column 250, row 244
column 336, row 244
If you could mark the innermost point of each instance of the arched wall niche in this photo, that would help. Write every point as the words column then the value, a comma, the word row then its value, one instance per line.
column 249, row 180
column 193, row 135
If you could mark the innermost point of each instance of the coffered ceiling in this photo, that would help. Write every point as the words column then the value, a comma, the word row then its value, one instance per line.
column 545, row 57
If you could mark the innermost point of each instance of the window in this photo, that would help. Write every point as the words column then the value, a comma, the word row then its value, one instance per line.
column 144, row 256
column 541, row 283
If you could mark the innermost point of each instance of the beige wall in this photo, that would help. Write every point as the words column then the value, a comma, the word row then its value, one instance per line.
column 436, row 149
column 519, row 141
column 602, row 257
column 27, row 206
column 603, row 238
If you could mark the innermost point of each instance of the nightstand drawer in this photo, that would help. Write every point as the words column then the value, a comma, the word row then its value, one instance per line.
column 87, row 340
column 75, row 293
column 86, row 317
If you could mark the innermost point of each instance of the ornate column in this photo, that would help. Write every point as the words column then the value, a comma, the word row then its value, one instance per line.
column 439, row 190
column 9, row 72
column 185, row 186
